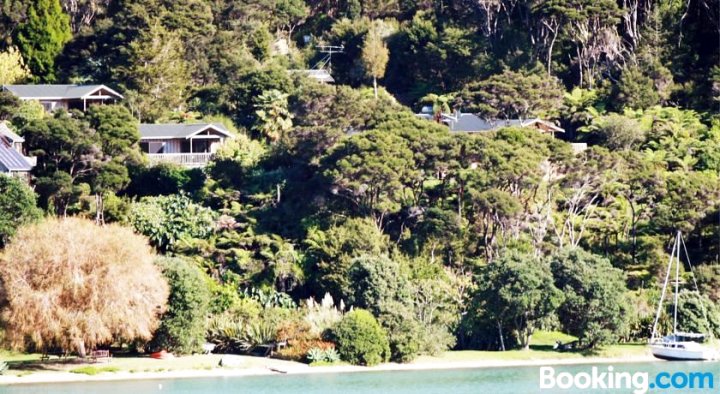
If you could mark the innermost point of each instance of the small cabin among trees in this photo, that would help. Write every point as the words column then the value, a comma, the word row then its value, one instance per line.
column 68, row 97
column 190, row 145
column 12, row 160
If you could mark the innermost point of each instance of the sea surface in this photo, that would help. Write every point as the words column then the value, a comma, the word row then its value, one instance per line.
column 510, row 380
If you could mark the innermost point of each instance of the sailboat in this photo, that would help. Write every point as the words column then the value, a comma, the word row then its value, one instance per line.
column 678, row 345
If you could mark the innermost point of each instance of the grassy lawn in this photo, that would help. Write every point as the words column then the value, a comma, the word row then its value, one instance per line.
column 18, row 357
column 92, row 370
column 23, row 365
column 615, row 351
column 26, row 364
column 541, row 348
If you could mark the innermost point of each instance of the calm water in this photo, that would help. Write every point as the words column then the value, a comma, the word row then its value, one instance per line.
column 463, row 381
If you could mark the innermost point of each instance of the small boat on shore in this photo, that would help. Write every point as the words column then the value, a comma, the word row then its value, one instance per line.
column 684, row 346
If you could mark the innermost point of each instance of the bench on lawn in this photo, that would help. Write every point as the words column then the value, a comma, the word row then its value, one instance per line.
column 103, row 355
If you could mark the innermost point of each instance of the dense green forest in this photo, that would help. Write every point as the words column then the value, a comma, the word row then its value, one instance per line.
column 338, row 192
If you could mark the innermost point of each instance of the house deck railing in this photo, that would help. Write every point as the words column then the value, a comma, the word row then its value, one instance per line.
column 183, row 159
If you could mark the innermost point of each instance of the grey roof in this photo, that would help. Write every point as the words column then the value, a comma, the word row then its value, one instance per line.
column 56, row 91
column 471, row 123
column 9, row 134
column 319, row 75
column 158, row 131
column 12, row 160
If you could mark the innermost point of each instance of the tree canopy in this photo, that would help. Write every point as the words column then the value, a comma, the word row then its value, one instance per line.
column 69, row 284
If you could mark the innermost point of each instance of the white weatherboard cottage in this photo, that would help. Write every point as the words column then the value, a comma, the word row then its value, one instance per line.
column 190, row 145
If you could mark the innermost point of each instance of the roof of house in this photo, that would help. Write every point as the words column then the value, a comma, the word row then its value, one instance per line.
column 9, row 134
column 57, row 92
column 180, row 130
column 319, row 75
column 12, row 160
column 471, row 123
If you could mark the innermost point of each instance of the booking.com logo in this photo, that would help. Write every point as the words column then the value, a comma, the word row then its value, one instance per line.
column 607, row 378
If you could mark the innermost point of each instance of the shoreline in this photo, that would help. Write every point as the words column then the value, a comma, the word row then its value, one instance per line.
column 304, row 369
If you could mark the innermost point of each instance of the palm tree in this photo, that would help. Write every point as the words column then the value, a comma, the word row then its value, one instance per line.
column 274, row 118
column 440, row 104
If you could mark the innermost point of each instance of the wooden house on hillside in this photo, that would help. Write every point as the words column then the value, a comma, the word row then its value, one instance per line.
column 68, row 97
column 190, row 145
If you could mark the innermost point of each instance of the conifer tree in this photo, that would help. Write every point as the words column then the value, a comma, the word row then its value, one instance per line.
column 42, row 37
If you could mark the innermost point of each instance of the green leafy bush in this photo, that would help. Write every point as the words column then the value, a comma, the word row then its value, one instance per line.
column 331, row 355
column 182, row 329
column 164, row 179
column 17, row 206
column 595, row 308
column 270, row 298
column 360, row 339
column 233, row 335
column 318, row 355
column 165, row 220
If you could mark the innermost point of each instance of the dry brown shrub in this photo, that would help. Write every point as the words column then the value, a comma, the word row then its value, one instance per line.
column 70, row 284
column 298, row 349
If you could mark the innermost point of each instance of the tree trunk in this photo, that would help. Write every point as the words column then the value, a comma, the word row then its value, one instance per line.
column 99, row 210
column 550, row 50
column 375, row 87
column 502, row 341
column 80, row 346
column 526, row 345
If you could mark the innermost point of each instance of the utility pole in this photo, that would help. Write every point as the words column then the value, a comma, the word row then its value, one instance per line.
column 328, row 50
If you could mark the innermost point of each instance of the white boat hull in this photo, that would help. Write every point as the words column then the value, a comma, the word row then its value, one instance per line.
column 671, row 353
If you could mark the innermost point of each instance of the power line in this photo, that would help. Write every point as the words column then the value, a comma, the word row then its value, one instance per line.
column 328, row 50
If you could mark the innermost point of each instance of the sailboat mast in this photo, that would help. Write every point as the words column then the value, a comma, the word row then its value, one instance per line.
column 677, row 282
column 662, row 294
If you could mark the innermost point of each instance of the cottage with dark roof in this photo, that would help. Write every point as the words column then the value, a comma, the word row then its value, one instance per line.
column 190, row 145
column 12, row 160
column 68, row 97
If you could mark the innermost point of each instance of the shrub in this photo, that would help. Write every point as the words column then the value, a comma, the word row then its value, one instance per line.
column 182, row 328
column 377, row 282
column 360, row 339
column 72, row 284
column 270, row 298
column 17, row 206
column 228, row 334
column 90, row 370
column 315, row 354
column 165, row 220
column 299, row 348
column 319, row 355
column 331, row 355
column 405, row 334
column 233, row 335
column 164, row 179
column 595, row 308
column 321, row 317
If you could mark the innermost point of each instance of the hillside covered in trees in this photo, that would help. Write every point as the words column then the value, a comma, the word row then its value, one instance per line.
column 437, row 239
